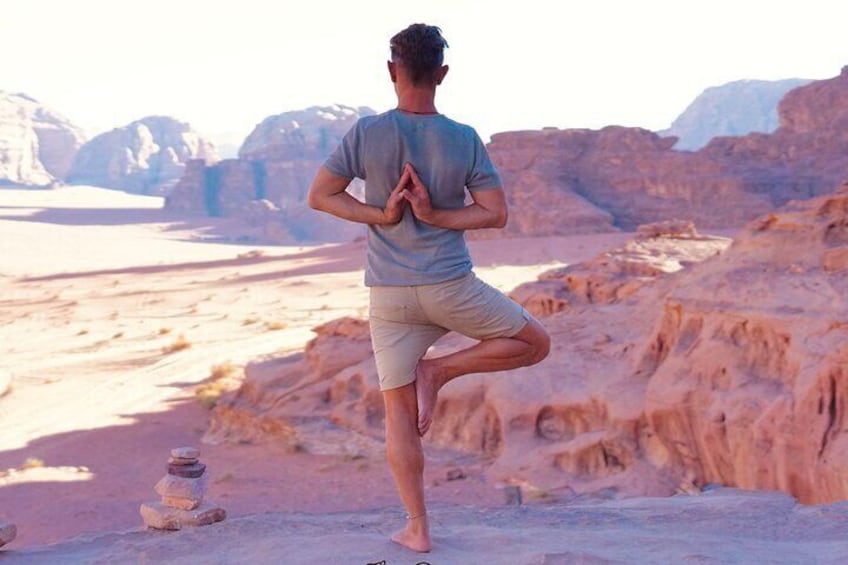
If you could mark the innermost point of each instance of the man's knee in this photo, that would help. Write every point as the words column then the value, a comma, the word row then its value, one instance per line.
column 541, row 344
column 537, row 336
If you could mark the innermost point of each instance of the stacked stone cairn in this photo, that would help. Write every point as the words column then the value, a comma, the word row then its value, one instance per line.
column 182, row 491
column 7, row 533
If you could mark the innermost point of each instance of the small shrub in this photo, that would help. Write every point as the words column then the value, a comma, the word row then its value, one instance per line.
column 178, row 345
column 32, row 463
column 223, row 377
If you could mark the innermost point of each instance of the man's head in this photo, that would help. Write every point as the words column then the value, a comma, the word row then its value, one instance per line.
column 419, row 50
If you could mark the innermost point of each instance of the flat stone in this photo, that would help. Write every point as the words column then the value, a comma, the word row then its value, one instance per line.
column 185, row 453
column 181, row 461
column 8, row 532
column 183, row 487
column 157, row 515
column 188, row 471
column 181, row 503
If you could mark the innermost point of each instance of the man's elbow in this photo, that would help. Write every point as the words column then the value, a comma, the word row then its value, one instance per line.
column 313, row 200
column 499, row 218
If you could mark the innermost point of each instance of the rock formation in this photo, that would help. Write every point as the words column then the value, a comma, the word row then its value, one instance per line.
column 276, row 163
column 736, row 108
column 182, row 490
column 637, row 177
column 561, row 182
column 666, row 374
column 37, row 145
column 147, row 156
column 8, row 532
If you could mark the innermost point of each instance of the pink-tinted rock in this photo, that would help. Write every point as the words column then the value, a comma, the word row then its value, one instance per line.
column 185, row 453
column 181, row 487
column 191, row 471
column 8, row 532
column 157, row 515
column 181, row 503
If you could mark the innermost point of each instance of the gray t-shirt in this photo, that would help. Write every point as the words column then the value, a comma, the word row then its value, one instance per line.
column 449, row 157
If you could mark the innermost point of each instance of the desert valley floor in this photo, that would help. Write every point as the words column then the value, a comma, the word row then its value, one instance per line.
column 114, row 314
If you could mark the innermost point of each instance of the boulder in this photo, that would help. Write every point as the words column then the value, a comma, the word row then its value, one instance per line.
column 37, row 144
column 147, row 156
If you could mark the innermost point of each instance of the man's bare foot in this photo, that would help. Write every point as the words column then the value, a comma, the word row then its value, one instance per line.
column 426, row 391
column 415, row 536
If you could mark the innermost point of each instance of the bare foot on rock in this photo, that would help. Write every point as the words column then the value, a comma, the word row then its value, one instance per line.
column 415, row 536
column 426, row 391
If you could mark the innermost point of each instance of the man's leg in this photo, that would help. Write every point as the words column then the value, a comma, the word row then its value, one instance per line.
column 406, row 459
column 529, row 346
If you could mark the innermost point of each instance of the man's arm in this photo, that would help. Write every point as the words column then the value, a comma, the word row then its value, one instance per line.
column 327, row 194
column 489, row 209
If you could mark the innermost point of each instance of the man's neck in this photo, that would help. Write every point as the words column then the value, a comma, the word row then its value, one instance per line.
column 418, row 100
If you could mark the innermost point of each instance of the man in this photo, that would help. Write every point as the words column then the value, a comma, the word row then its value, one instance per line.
column 416, row 164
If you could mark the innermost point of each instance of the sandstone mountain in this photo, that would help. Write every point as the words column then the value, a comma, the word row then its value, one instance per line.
column 37, row 145
column 637, row 177
column 276, row 164
column 147, row 156
column 674, row 364
column 736, row 108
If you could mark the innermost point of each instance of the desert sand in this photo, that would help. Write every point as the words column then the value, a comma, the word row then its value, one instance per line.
column 114, row 315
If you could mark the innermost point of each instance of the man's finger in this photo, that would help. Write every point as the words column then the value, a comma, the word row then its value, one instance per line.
column 414, row 175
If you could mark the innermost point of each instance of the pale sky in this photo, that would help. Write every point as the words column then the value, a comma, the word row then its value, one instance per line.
column 225, row 65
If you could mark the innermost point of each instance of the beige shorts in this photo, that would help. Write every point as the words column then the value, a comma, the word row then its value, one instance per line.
column 407, row 320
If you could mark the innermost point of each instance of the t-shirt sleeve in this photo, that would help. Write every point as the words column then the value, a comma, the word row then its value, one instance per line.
column 346, row 161
column 483, row 175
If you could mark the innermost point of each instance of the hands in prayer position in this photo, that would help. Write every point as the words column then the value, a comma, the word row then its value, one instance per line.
column 409, row 189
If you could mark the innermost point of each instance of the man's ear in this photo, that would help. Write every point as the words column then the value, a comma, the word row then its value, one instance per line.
column 440, row 73
column 392, row 70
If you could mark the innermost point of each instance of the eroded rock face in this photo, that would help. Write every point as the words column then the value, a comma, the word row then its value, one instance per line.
column 277, row 162
column 659, row 249
column 147, row 156
column 748, row 382
column 37, row 145
column 731, row 370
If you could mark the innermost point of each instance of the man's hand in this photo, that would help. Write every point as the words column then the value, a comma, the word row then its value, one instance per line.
column 417, row 195
column 393, row 211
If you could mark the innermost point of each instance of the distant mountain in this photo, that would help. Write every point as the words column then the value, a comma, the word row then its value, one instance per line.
column 735, row 108
column 302, row 134
column 37, row 144
column 147, row 156
column 271, row 176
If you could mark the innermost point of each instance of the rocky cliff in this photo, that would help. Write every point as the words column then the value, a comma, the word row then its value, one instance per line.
column 276, row 165
column 147, row 156
column 37, row 145
column 674, row 364
column 736, row 108
column 637, row 177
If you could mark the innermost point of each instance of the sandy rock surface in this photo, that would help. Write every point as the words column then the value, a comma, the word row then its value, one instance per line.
column 720, row 526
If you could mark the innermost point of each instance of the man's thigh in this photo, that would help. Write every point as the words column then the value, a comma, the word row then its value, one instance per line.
column 473, row 308
column 398, row 338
